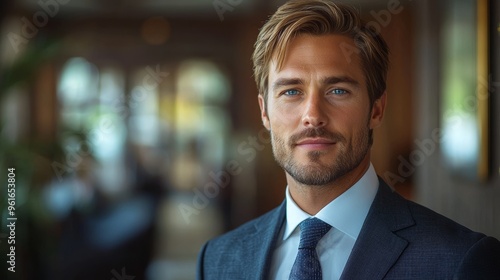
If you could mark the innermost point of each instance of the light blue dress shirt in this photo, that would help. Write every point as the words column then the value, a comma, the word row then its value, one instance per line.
column 346, row 214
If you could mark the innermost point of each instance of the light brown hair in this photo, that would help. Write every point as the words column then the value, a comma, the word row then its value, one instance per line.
column 320, row 17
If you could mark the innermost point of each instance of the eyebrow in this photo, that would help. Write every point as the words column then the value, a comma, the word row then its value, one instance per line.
column 340, row 79
column 281, row 82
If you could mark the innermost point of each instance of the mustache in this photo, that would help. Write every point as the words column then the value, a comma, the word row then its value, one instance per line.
column 316, row 133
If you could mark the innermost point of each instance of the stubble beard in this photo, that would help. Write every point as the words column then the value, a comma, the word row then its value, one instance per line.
column 319, row 170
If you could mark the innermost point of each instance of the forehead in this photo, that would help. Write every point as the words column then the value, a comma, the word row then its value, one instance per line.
column 331, row 54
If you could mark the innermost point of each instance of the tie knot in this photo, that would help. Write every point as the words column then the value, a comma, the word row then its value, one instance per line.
column 311, row 231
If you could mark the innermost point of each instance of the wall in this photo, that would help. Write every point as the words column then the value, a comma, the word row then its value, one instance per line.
column 475, row 205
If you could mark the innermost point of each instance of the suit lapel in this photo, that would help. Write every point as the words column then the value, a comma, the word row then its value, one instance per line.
column 260, row 244
column 378, row 247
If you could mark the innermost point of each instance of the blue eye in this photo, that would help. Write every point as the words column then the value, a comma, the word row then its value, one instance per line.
column 339, row 91
column 291, row 92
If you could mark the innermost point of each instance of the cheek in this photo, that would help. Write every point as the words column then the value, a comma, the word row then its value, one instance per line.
column 278, row 128
column 352, row 120
column 283, row 115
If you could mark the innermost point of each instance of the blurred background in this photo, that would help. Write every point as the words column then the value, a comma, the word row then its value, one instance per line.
column 135, row 134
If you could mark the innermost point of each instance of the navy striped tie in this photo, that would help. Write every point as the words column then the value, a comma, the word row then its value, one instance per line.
column 307, row 266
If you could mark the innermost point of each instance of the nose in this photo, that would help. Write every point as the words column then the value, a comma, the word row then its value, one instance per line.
column 314, row 114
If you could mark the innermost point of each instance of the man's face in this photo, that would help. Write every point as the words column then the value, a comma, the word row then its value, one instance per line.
column 318, row 109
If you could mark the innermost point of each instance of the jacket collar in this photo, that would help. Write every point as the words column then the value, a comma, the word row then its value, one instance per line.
column 262, row 241
column 378, row 246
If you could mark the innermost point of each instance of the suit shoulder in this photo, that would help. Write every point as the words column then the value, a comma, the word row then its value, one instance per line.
column 440, row 229
column 243, row 231
column 468, row 254
column 418, row 223
column 242, row 249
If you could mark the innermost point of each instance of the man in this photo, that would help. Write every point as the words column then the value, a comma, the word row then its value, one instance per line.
column 321, row 78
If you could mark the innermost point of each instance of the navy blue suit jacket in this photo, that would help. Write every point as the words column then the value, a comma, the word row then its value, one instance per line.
column 399, row 240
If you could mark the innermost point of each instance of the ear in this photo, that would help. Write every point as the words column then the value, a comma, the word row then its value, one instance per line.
column 378, row 110
column 263, row 112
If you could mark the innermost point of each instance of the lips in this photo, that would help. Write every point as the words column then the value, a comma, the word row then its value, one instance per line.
column 315, row 141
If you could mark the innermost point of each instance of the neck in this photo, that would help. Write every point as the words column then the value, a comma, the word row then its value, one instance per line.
column 311, row 199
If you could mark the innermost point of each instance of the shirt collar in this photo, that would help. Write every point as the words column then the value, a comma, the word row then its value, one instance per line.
column 346, row 213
